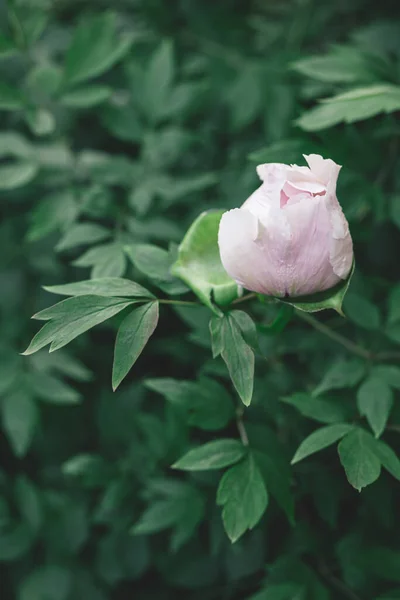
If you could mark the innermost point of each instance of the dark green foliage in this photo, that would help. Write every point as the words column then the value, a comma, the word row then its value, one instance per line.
column 125, row 129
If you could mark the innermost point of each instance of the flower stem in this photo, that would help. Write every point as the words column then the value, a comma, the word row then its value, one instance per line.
column 179, row 302
column 245, row 298
column 345, row 342
column 241, row 427
column 335, row 336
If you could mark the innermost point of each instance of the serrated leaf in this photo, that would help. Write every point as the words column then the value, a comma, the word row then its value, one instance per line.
column 213, row 455
column 375, row 401
column 199, row 264
column 361, row 465
column 332, row 298
column 244, row 497
column 320, row 439
column 133, row 334
column 104, row 286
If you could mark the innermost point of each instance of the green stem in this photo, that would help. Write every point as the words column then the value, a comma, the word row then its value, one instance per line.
column 336, row 337
column 241, row 427
column 179, row 302
column 245, row 298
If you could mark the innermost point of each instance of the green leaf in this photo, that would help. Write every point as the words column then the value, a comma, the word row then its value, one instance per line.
column 20, row 416
column 72, row 318
column 239, row 358
column 28, row 502
column 213, row 455
column 11, row 98
column 205, row 404
column 16, row 175
column 181, row 507
column 244, row 97
column 283, row 316
column 82, row 234
column 361, row 465
column 332, row 298
column 158, row 81
column 320, row 439
column 247, row 327
column 94, row 49
column 282, row 591
column 40, row 121
column 277, row 478
column 86, row 97
column 155, row 263
column 244, row 497
column 393, row 332
column 375, row 401
column 133, row 334
column 394, row 305
column 199, row 264
column 105, row 286
column 7, row 46
column 55, row 212
column 343, row 373
column 386, row 456
column 390, row 374
column 342, row 65
column 123, row 122
column 362, row 312
column 319, row 409
column 355, row 105
column 284, row 151
column 107, row 260
column 51, row 582
column 51, row 389
column 217, row 340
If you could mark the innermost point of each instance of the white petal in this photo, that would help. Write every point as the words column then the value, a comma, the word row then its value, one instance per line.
column 250, row 254
column 324, row 169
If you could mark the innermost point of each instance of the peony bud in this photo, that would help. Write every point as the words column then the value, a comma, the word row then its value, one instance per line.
column 290, row 238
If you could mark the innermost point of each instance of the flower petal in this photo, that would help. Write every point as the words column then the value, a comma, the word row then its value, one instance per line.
column 324, row 169
column 250, row 254
column 309, row 248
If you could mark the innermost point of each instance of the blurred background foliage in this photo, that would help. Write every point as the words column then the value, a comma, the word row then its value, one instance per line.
column 119, row 124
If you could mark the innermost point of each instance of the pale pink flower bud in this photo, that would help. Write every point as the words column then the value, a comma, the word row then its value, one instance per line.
column 290, row 238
